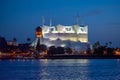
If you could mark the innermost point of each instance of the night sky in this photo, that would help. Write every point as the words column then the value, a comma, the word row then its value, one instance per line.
column 19, row 18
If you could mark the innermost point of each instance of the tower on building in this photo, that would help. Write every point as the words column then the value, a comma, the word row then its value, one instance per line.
column 38, row 40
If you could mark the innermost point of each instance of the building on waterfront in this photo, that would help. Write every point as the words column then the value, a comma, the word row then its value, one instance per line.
column 39, row 37
column 75, row 36
column 73, row 33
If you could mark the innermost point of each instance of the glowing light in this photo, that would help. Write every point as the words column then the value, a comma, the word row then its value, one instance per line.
column 45, row 60
column 39, row 34
column 0, row 53
column 85, row 60
column 63, row 45
column 117, row 52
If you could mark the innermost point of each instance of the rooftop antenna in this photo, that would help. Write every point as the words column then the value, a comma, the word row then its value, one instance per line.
column 77, row 19
column 50, row 22
column 82, row 20
column 43, row 20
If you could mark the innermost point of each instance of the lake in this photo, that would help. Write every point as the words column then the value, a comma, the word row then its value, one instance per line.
column 60, row 69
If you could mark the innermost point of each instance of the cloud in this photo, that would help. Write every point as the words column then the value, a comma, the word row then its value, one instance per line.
column 93, row 13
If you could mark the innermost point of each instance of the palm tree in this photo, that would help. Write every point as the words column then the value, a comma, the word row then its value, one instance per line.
column 14, row 40
column 110, row 43
column 98, row 44
column 28, row 40
column 106, row 44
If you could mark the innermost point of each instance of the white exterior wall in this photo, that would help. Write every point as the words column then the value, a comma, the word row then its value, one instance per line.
column 72, row 33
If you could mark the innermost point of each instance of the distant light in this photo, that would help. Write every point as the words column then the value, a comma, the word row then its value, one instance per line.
column 0, row 53
column 63, row 45
column 117, row 52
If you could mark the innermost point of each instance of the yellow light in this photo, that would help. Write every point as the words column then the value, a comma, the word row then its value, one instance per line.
column 0, row 53
column 46, row 52
column 117, row 52
column 39, row 34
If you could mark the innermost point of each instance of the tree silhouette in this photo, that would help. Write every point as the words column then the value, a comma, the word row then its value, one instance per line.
column 60, row 50
column 52, row 50
column 106, row 44
column 38, row 45
column 3, row 44
column 68, row 50
column 28, row 40
column 110, row 43
column 14, row 40
column 96, row 45
column 43, row 47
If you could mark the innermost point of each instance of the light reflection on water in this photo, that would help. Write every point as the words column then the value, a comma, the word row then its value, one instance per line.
column 60, row 69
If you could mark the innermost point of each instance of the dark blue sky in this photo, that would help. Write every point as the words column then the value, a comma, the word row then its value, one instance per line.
column 19, row 18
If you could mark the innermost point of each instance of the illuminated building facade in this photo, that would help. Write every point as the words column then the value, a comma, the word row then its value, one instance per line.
column 75, row 37
column 39, row 37
column 73, row 33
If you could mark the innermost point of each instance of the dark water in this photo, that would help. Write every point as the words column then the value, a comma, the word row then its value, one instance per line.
column 66, row 69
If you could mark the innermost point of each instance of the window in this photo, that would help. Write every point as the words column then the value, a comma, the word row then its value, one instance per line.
column 82, row 29
column 68, row 29
column 51, row 29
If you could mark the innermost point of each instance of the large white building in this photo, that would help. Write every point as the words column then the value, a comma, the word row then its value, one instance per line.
column 75, row 37
column 73, row 33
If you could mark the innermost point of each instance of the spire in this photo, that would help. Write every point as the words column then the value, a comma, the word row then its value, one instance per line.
column 83, row 20
column 43, row 20
column 77, row 19
column 50, row 22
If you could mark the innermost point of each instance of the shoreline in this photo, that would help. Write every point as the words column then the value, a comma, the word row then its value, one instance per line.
column 66, row 57
column 82, row 57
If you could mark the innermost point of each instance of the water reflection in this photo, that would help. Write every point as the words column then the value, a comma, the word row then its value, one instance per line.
column 44, row 60
column 60, row 69
column 44, row 74
column 63, row 69
column 64, row 62
column 118, row 60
